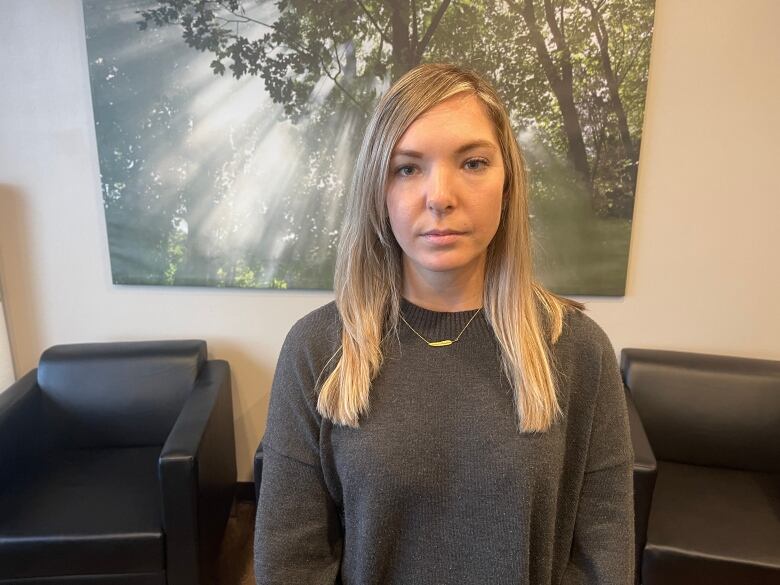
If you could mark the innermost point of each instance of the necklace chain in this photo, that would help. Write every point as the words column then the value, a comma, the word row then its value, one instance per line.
column 443, row 342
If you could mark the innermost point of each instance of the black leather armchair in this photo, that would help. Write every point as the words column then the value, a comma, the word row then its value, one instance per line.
column 706, row 437
column 117, row 465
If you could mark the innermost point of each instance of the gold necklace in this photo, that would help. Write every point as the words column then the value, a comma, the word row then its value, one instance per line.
column 443, row 342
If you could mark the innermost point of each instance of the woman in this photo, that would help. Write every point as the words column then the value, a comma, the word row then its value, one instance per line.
column 446, row 419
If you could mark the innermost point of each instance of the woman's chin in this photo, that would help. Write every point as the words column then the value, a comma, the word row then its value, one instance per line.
column 446, row 263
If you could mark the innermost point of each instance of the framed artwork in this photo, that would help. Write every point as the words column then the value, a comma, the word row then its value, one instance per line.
column 227, row 130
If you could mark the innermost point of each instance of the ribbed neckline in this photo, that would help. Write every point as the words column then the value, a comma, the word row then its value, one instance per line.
column 438, row 325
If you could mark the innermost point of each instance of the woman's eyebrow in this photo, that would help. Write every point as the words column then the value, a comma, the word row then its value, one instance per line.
column 461, row 149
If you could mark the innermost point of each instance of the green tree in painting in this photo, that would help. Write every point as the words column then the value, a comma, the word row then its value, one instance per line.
column 573, row 73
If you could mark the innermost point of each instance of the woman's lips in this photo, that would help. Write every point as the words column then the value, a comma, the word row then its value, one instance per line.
column 442, row 239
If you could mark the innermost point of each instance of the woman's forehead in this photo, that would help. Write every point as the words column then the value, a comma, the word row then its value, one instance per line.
column 458, row 123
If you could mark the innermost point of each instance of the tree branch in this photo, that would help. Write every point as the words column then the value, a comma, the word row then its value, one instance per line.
column 382, row 33
column 537, row 40
column 335, row 45
column 630, row 65
column 414, row 28
column 242, row 16
column 302, row 49
column 431, row 29
column 557, row 33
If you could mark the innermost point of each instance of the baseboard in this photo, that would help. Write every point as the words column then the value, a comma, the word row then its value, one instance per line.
column 245, row 491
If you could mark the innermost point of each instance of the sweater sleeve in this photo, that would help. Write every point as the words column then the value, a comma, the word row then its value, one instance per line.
column 298, row 536
column 603, row 544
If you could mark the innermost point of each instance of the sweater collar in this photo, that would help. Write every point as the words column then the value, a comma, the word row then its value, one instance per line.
column 437, row 325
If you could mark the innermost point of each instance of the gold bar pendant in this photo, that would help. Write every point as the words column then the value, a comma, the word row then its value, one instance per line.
column 440, row 343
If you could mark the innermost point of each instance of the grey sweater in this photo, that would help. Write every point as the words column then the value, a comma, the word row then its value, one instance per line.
column 438, row 486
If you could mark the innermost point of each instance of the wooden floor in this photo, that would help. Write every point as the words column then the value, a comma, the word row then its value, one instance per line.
column 235, row 559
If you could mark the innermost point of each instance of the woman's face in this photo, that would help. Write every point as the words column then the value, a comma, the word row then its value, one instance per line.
column 446, row 176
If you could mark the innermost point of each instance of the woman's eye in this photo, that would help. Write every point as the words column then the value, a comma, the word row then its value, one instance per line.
column 475, row 162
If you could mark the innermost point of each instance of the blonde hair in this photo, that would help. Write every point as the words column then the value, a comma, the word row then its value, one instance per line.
column 524, row 316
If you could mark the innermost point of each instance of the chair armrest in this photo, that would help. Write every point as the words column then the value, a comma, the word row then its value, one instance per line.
column 197, row 471
column 644, row 458
column 23, row 434
column 645, row 472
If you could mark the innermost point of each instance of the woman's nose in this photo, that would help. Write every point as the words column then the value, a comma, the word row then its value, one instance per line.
column 439, row 187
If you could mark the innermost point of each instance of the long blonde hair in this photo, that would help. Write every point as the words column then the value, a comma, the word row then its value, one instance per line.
column 525, row 317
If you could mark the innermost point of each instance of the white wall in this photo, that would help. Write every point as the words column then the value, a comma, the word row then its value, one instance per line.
column 703, row 272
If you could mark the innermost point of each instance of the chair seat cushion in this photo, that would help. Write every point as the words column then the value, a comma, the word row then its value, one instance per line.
column 83, row 512
column 713, row 525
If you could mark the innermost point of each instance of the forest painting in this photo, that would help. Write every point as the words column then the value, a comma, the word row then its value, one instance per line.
column 227, row 130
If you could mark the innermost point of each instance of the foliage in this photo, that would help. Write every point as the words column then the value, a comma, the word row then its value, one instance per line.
column 573, row 74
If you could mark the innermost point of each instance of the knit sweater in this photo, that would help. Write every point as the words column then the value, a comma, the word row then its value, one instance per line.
column 437, row 485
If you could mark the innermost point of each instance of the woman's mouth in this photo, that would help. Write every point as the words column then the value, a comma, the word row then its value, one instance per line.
column 441, row 238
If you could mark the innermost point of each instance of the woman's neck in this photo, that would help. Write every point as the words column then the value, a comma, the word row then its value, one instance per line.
column 444, row 292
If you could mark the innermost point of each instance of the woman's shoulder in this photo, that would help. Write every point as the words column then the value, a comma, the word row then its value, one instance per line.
column 316, row 335
column 587, row 363
column 324, row 318
column 582, row 337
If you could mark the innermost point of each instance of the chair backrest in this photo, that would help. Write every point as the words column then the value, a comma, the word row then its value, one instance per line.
column 705, row 409
column 118, row 394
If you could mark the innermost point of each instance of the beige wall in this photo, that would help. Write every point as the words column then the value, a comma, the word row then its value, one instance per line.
column 6, row 364
column 703, row 273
